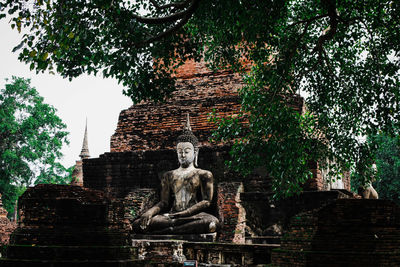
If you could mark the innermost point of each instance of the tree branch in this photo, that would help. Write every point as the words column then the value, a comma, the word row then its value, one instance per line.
column 308, row 20
column 166, row 32
column 171, row 18
column 178, row 5
column 331, row 30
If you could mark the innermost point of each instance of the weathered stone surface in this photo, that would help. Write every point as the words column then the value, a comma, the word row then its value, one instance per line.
column 225, row 253
column 347, row 232
column 159, row 250
column 205, row 253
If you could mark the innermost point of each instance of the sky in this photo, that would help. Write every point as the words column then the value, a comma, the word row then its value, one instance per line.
column 97, row 99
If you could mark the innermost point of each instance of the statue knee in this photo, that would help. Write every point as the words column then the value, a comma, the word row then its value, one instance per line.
column 213, row 225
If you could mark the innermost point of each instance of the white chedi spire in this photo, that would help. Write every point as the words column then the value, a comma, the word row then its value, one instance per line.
column 85, row 148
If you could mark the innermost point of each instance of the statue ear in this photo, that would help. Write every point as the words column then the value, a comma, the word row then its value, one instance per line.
column 196, row 156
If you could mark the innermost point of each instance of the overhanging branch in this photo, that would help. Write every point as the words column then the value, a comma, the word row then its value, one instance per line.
column 170, row 18
column 165, row 33
column 331, row 30
column 178, row 5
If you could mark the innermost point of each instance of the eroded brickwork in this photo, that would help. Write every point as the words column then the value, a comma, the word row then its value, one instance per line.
column 120, row 173
column 77, row 174
column 347, row 232
column 65, row 215
column 138, row 201
column 231, row 213
column 6, row 226
column 62, row 225
column 149, row 126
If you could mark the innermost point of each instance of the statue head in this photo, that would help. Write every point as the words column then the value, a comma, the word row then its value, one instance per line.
column 187, row 146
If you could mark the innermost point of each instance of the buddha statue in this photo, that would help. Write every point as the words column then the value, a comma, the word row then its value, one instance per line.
column 186, row 194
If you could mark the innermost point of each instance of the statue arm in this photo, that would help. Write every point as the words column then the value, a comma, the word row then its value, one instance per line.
column 160, row 206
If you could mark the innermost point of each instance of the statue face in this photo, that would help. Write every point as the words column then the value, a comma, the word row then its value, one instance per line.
column 186, row 153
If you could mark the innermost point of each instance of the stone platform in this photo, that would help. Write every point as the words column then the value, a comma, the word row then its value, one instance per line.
column 205, row 253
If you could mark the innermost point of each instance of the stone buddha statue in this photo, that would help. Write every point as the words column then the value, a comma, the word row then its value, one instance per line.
column 186, row 193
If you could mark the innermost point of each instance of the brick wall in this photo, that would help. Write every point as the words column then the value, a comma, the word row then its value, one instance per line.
column 149, row 126
column 120, row 173
column 6, row 226
column 347, row 232
column 231, row 212
column 67, row 215
column 139, row 201
column 63, row 225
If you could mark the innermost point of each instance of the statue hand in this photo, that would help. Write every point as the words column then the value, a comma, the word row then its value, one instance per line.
column 177, row 215
column 145, row 220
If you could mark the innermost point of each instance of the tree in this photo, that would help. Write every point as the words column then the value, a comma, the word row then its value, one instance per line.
column 31, row 137
column 388, row 165
column 343, row 54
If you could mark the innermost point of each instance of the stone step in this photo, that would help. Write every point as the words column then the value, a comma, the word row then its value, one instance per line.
column 70, row 252
column 67, row 263
column 263, row 240
column 68, row 237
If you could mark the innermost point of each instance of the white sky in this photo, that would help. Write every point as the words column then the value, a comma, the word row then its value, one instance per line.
column 98, row 99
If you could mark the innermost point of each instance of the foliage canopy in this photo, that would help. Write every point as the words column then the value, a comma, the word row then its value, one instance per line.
column 344, row 55
column 31, row 137
column 388, row 167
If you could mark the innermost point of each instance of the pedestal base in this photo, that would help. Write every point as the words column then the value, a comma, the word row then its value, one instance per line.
column 159, row 250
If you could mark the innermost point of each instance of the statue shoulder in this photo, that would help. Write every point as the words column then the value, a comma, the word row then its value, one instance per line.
column 205, row 174
column 167, row 175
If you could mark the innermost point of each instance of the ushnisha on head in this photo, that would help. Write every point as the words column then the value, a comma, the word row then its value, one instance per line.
column 187, row 146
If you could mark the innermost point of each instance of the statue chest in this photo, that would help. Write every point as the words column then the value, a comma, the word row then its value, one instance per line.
column 185, row 189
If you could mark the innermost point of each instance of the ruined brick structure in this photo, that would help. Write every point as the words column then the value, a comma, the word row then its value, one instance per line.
column 142, row 148
column 149, row 126
column 120, row 185
column 62, row 225
column 347, row 232
column 6, row 226
column 152, row 127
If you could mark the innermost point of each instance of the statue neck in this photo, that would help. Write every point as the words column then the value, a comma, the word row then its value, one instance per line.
column 188, row 168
